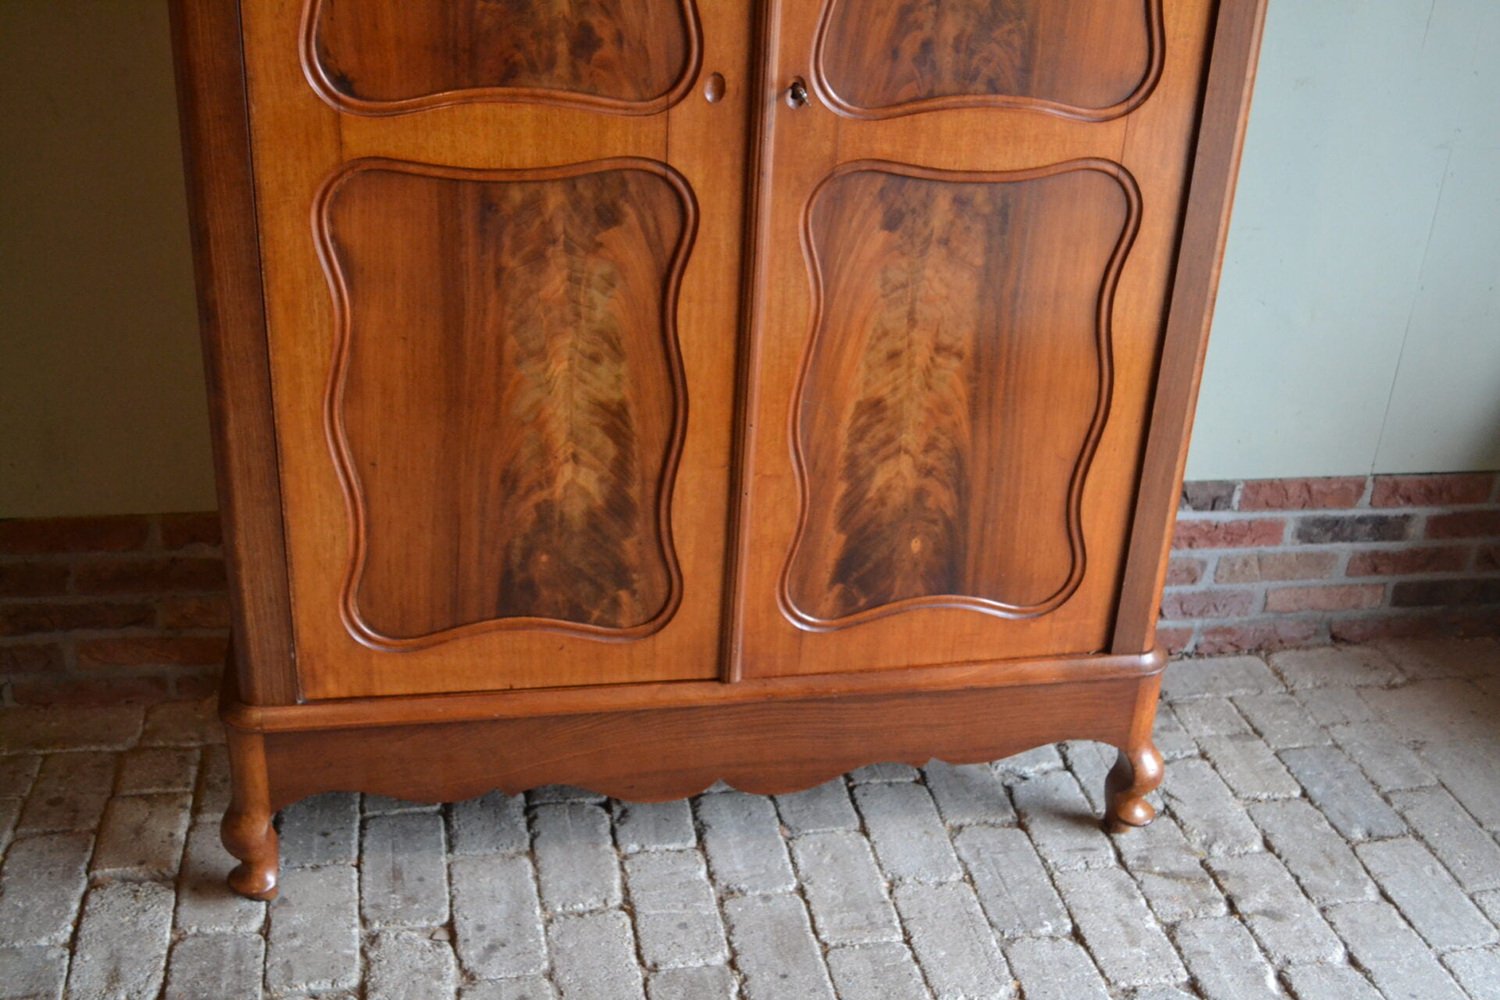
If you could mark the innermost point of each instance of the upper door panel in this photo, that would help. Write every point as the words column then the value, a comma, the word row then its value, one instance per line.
column 385, row 57
column 876, row 58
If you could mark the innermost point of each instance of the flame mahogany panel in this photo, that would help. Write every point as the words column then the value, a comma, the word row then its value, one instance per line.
column 1092, row 60
column 955, row 386
column 390, row 56
column 507, row 401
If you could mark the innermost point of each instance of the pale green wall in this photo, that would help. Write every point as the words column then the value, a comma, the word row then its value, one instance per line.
column 1358, row 325
column 1358, row 328
column 101, row 389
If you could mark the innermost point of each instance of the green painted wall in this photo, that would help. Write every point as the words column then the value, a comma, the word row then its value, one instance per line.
column 1358, row 325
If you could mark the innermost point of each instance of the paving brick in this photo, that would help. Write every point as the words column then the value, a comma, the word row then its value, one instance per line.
column 322, row 830
column 17, row 774
column 1172, row 740
column 1211, row 716
column 1248, row 767
column 1210, row 816
column 1342, row 793
column 313, row 938
column 1330, row 982
column 1478, row 972
column 1336, row 706
column 742, row 838
column 1391, row 953
column 676, row 919
column 157, row 769
column 524, row 988
column 1011, row 883
column 1037, row 760
column 1162, row 993
column 1223, row 675
column 1444, row 657
column 654, row 826
column 594, row 957
column 1170, row 872
column 706, row 982
column 1056, row 814
column 575, row 857
column 121, row 948
column 561, row 793
column 211, row 794
column 204, row 903
column 403, row 872
column 1322, row 862
column 183, row 724
column 221, row 966
column 1224, row 961
column 968, row 793
column 953, row 942
column 822, row 808
column 1426, row 894
column 10, row 810
column 33, row 972
column 1055, row 969
column 1441, row 710
column 1467, row 770
column 70, row 793
column 41, row 885
column 1390, row 764
column 883, row 772
column 775, row 949
column 492, row 824
column 497, row 918
column 143, row 836
column 385, row 805
column 1129, row 947
column 410, row 966
column 1335, row 666
column 1468, row 852
column 845, row 890
column 907, row 834
column 875, row 972
column 1281, row 720
column 1090, row 763
column 1282, row 919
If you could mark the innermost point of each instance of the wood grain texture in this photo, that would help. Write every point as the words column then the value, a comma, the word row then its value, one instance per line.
column 394, row 56
column 507, row 401
column 956, row 385
column 1086, row 59
column 232, row 321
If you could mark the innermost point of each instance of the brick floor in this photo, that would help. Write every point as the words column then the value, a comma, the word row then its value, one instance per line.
column 1331, row 830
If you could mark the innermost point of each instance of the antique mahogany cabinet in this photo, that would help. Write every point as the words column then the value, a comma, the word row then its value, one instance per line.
column 640, row 393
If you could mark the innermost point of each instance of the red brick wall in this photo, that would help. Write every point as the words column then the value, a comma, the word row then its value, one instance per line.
column 133, row 608
column 106, row 609
column 1272, row 563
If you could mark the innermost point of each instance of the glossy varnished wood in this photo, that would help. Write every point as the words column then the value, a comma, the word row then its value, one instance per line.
column 221, row 199
column 535, row 310
column 1087, row 59
column 382, row 57
column 945, row 318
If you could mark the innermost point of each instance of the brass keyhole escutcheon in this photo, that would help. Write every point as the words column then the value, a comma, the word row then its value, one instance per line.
column 796, row 94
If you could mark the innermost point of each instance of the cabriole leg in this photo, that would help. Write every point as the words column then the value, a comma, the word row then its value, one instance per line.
column 247, row 831
column 1136, row 774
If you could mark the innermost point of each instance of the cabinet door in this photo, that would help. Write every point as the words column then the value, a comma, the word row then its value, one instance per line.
column 495, row 240
column 963, row 264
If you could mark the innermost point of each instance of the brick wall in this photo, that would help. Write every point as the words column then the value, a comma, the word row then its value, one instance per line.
column 133, row 608
column 1273, row 563
column 111, row 609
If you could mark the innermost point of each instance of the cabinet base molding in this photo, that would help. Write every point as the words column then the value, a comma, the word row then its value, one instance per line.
column 667, row 741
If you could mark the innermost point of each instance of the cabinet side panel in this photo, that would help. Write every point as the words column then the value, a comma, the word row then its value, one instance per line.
column 215, row 141
column 1226, row 107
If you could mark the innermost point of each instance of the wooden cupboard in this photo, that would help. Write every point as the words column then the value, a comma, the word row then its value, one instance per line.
column 640, row 393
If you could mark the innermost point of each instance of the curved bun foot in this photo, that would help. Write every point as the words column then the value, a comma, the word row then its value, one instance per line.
column 1135, row 775
column 251, row 838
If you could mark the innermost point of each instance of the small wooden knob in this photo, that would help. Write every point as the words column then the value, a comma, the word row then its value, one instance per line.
column 713, row 90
